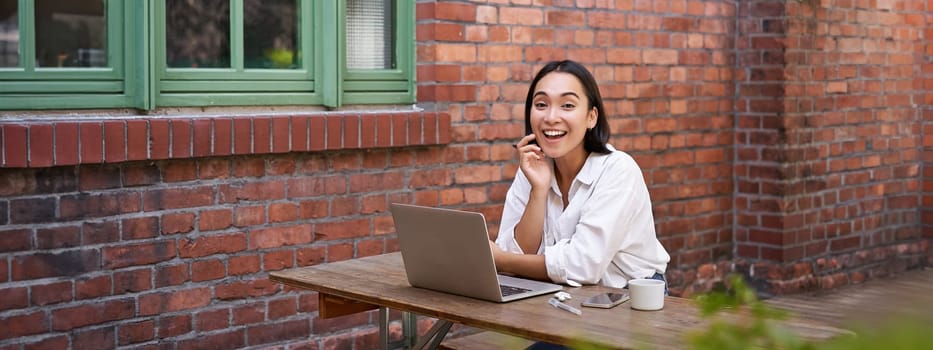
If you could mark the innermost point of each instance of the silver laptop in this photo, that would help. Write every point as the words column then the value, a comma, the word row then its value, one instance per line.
column 448, row 251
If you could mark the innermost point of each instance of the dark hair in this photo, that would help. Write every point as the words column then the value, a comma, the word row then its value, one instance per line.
column 596, row 138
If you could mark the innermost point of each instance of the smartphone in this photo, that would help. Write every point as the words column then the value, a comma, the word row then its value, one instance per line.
column 529, row 132
column 606, row 300
column 532, row 142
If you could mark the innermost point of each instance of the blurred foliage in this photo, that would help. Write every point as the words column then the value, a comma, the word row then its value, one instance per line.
column 758, row 326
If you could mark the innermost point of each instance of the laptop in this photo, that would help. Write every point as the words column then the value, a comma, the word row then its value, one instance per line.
column 448, row 251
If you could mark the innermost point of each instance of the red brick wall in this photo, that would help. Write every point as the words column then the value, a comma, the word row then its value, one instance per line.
column 830, row 138
column 179, row 251
column 760, row 132
column 751, row 120
column 927, row 103
column 101, row 252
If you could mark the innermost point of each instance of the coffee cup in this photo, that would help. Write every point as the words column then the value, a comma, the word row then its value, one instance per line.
column 647, row 294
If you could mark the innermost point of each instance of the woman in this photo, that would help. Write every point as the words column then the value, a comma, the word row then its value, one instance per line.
column 578, row 210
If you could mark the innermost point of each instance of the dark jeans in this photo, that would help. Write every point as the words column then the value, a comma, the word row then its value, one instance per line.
column 548, row 346
column 659, row 277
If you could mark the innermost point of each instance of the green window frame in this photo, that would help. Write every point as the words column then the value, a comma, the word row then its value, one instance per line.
column 29, row 87
column 137, row 75
column 386, row 85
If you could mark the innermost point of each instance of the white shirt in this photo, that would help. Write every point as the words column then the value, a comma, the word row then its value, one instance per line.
column 605, row 235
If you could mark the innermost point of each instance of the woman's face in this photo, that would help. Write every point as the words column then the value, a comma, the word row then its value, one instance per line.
column 560, row 114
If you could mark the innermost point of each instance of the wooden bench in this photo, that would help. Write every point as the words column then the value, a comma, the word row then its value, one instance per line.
column 485, row 340
column 334, row 306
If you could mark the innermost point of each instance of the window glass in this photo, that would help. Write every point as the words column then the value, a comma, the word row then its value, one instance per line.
column 370, row 34
column 197, row 33
column 9, row 34
column 71, row 33
column 191, row 53
column 270, row 34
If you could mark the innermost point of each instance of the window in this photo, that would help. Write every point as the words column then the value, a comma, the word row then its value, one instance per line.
column 58, row 54
column 63, row 54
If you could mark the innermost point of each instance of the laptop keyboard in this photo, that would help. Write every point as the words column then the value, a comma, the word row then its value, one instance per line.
column 509, row 290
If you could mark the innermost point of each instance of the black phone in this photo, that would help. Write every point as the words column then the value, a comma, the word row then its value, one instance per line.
column 606, row 300
column 532, row 142
column 529, row 132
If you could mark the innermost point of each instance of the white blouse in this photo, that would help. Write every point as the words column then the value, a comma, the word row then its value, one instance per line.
column 605, row 235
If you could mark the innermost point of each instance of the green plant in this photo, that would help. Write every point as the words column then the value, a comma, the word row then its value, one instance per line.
column 753, row 325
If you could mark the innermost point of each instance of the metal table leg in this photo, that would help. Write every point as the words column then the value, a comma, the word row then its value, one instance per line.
column 409, row 329
column 384, row 328
column 434, row 336
column 409, row 340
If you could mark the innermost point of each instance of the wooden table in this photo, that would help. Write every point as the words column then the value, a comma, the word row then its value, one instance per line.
column 380, row 281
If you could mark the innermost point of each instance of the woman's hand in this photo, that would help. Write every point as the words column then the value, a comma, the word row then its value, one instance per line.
column 496, row 252
column 512, row 264
column 534, row 163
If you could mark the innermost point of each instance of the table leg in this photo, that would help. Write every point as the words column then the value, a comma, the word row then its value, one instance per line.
column 409, row 340
column 434, row 336
column 409, row 329
column 384, row 328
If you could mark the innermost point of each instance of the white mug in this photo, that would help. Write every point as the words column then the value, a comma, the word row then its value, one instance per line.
column 647, row 294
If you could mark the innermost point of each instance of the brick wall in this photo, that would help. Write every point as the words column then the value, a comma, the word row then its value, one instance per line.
column 829, row 146
column 176, row 252
column 927, row 104
column 791, row 141
column 759, row 128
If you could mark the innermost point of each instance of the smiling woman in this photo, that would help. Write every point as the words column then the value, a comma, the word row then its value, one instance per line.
column 578, row 210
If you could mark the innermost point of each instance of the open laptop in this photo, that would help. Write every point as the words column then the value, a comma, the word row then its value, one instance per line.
column 448, row 251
